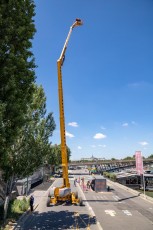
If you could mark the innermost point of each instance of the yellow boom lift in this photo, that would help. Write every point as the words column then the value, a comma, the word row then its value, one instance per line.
column 63, row 193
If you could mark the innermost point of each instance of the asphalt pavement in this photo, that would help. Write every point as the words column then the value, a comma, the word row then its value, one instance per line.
column 116, row 209
column 63, row 216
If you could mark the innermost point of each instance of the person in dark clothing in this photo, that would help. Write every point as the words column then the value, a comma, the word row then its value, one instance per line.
column 146, row 184
column 93, row 185
column 88, row 184
column 31, row 202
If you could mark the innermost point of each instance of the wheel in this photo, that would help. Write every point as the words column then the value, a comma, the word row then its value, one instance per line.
column 76, row 195
column 80, row 201
column 48, row 201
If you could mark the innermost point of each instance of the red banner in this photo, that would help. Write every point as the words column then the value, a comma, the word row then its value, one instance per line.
column 139, row 162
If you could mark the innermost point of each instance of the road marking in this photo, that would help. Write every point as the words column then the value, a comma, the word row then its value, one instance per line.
column 95, row 198
column 116, row 198
column 121, row 202
column 127, row 212
column 110, row 212
column 90, row 209
column 104, row 197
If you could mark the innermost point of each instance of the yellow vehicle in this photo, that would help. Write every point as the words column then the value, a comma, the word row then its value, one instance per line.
column 58, row 194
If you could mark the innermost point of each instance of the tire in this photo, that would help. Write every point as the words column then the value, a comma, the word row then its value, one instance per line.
column 48, row 201
column 80, row 201
column 76, row 195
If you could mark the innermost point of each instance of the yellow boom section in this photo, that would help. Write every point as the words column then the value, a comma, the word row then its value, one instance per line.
column 60, row 62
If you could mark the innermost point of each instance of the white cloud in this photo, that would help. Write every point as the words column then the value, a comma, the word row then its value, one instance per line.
column 93, row 146
column 143, row 143
column 73, row 124
column 125, row 124
column 79, row 147
column 70, row 135
column 104, row 146
column 99, row 136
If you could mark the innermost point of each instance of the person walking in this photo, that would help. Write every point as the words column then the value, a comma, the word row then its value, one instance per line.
column 88, row 184
column 31, row 202
column 75, row 180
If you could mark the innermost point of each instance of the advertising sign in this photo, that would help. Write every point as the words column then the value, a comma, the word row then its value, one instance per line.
column 139, row 162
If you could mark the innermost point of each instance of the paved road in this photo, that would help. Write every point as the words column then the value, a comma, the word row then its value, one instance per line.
column 121, row 210
column 64, row 216
column 118, row 209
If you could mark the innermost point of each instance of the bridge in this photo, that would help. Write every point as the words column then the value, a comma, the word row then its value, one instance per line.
column 111, row 165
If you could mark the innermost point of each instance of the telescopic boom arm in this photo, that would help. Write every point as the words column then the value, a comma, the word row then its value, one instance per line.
column 60, row 62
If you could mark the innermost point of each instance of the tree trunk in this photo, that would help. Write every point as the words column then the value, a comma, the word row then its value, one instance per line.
column 10, row 186
column 7, row 199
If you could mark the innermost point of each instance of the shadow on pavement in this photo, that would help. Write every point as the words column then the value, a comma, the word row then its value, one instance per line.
column 114, row 201
column 127, row 198
column 57, row 220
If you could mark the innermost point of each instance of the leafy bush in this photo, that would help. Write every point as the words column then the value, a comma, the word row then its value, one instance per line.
column 112, row 176
column 17, row 207
column 24, row 204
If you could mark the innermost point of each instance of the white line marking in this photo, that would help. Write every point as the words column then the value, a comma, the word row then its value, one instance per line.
column 127, row 212
column 110, row 212
column 116, row 198
column 89, row 207
column 95, row 198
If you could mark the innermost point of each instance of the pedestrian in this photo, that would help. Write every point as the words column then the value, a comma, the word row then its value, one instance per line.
column 75, row 180
column 146, row 184
column 31, row 202
column 88, row 184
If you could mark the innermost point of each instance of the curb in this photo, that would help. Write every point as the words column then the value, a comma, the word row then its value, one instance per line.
column 123, row 187
column 142, row 196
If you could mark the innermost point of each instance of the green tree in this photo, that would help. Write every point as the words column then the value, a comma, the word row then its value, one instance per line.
column 30, row 150
column 113, row 159
column 151, row 156
column 55, row 157
column 32, row 145
column 24, row 127
column 129, row 158
column 16, row 70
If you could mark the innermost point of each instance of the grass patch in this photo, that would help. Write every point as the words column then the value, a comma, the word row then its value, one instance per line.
column 148, row 193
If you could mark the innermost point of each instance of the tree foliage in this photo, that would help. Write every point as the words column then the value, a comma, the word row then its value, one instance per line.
column 17, row 74
column 151, row 156
column 30, row 149
column 129, row 158
column 24, row 126
column 54, row 155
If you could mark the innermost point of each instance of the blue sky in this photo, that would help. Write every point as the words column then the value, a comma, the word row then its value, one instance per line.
column 107, row 74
